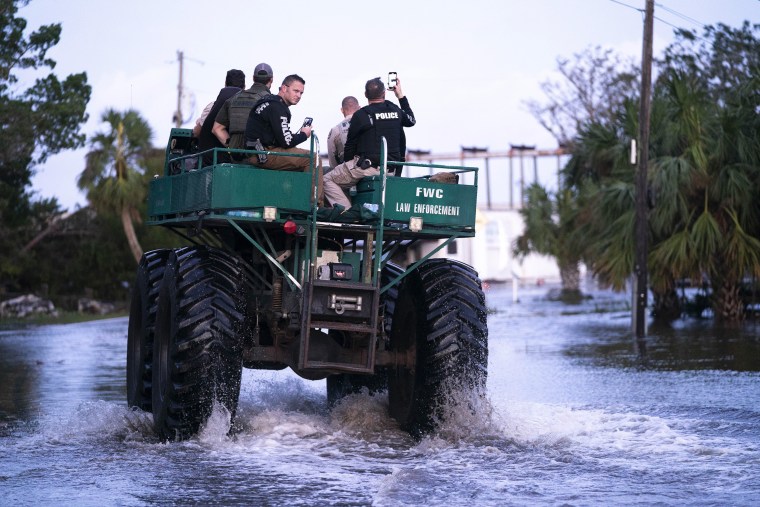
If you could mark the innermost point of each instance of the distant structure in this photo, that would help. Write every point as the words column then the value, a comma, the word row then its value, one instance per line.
column 498, row 219
column 521, row 152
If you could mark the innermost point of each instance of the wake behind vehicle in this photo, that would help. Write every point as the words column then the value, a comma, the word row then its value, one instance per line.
column 271, row 281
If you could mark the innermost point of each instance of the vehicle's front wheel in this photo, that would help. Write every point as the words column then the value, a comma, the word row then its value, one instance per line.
column 197, row 354
column 439, row 322
column 142, row 319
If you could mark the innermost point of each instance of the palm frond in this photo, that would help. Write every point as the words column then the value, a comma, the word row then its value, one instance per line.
column 742, row 251
column 673, row 256
column 705, row 238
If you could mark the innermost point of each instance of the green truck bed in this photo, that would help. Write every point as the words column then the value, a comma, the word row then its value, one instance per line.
column 243, row 191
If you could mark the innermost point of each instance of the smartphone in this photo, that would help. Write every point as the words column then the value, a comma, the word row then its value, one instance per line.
column 307, row 122
column 392, row 77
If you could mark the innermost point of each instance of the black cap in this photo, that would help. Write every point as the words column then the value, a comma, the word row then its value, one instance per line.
column 235, row 77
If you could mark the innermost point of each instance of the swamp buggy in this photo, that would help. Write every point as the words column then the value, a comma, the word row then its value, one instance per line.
column 271, row 281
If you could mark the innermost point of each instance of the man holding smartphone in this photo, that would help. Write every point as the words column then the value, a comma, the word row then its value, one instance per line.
column 268, row 128
column 380, row 118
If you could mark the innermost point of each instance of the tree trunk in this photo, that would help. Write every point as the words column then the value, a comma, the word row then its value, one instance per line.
column 727, row 302
column 570, row 275
column 129, row 232
column 666, row 304
column 54, row 224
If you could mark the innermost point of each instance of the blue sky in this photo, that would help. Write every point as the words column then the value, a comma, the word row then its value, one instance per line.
column 466, row 66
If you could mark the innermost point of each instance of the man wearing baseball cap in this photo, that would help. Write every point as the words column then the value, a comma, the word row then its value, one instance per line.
column 230, row 122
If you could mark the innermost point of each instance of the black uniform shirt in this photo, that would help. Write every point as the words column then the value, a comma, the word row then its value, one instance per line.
column 374, row 121
column 269, row 121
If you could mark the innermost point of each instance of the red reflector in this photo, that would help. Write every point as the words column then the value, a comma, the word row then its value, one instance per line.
column 289, row 227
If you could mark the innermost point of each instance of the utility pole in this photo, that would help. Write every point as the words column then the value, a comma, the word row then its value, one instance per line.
column 642, row 221
column 178, row 114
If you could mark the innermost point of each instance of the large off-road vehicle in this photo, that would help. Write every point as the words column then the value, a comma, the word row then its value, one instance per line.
column 273, row 281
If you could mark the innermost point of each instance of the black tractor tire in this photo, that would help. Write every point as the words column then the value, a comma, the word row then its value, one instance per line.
column 197, row 354
column 389, row 298
column 440, row 320
column 142, row 320
column 341, row 385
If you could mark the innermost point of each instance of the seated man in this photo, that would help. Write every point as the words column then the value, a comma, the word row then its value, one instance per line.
column 231, row 121
column 206, row 139
column 199, row 121
column 362, row 151
column 336, row 139
column 269, row 127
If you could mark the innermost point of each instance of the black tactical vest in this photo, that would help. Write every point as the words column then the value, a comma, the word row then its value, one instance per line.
column 240, row 107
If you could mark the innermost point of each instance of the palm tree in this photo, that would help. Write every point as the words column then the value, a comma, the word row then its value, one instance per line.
column 705, row 172
column 113, row 167
column 602, row 176
column 704, row 175
column 707, row 181
column 601, row 173
column 548, row 230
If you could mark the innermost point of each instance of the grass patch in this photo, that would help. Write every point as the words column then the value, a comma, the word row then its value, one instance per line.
column 62, row 318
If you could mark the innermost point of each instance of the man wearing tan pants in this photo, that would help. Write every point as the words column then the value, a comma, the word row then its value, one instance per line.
column 268, row 127
column 380, row 118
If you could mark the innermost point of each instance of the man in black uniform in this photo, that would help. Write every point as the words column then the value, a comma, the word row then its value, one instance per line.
column 362, row 152
column 269, row 125
column 233, row 84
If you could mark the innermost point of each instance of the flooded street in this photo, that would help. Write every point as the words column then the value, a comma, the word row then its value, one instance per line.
column 574, row 417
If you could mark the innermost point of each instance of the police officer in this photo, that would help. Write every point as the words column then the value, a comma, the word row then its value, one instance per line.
column 234, row 82
column 231, row 120
column 336, row 139
column 268, row 127
column 380, row 118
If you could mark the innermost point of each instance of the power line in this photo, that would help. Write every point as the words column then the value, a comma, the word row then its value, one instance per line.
column 670, row 24
column 675, row 13
column 665, row 8
column 681, row 28
column 682, row 16
column 627, row 5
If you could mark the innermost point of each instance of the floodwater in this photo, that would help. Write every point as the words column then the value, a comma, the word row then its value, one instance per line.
column 574, row 416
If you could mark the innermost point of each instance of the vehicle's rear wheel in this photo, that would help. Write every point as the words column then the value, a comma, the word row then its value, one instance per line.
column 440, row 322
column 389, row 298
column 197, row 354
column 142, row 320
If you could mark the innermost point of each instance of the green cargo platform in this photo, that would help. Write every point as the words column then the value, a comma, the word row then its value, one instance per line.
column 243, row 191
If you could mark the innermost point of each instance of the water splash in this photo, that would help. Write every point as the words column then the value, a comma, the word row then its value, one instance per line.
column 217, row 426
column 97, row 419
column 362, row 413
column 264, row 390
column 467, row 413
